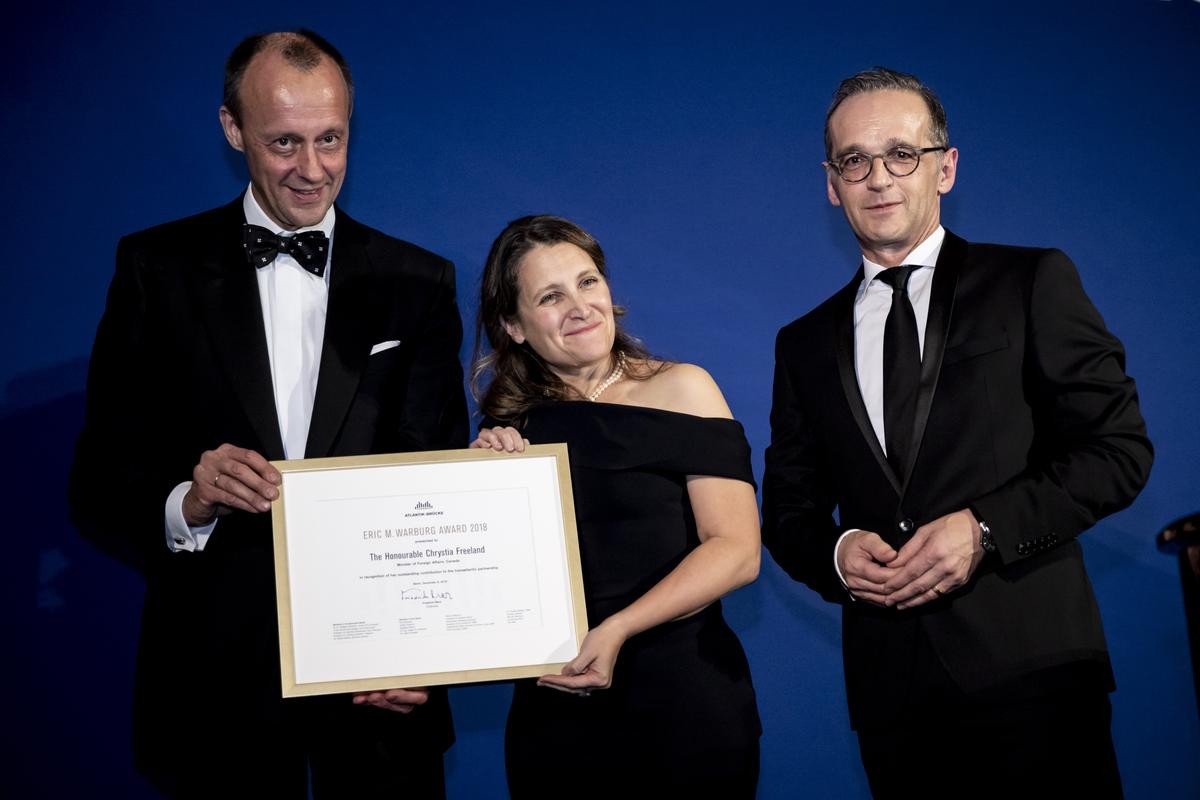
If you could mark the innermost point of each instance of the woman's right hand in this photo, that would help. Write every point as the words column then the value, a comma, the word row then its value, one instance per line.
column 502, row 439
column 593, row 667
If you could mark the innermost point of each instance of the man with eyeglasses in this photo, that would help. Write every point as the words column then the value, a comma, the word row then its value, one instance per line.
column 966, row 412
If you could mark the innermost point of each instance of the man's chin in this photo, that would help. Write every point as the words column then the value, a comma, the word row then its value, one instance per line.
column 878, row 237
column 305, row 216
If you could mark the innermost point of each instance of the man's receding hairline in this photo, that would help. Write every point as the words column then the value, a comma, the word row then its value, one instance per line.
column 296, row 50
column 926, row 114
column 278, row 44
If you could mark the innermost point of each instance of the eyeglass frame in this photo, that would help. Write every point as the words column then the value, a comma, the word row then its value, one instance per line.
column 919, row 151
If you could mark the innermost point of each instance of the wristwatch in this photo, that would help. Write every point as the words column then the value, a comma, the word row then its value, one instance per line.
column 986, row 540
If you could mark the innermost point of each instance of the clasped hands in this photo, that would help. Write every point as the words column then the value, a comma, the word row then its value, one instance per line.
column 940, row 557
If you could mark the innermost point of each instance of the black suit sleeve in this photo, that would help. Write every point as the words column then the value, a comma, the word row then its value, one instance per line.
column 435, row 413
column 798, row 502
column 118, row 484
column 1091, row 453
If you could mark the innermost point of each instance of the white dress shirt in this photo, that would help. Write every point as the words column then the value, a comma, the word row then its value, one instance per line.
column 871, row 307
column 294, row 302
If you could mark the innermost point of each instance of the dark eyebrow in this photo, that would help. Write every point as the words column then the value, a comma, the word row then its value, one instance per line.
column 334, row 131
column 543, row 289
column 890, row 144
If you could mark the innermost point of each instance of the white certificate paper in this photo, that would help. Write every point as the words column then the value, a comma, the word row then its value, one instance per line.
column 426, row 568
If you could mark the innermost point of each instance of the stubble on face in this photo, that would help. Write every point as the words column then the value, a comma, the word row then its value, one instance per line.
column 294, row 133
column 889, row 216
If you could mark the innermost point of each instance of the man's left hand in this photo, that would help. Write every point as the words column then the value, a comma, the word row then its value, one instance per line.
column 399, row 700
column 939, row 558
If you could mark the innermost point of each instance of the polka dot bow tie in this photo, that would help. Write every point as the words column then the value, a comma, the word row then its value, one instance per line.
column 310, row 249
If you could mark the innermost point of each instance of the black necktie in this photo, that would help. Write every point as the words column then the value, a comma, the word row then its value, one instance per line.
column 901, row 369
column 310, row 248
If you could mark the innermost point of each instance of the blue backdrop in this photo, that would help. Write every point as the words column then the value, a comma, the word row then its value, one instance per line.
column 687, row 137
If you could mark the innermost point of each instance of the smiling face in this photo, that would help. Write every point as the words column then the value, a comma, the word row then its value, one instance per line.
column 294, row 131
column 564, row 310
column 889, row 215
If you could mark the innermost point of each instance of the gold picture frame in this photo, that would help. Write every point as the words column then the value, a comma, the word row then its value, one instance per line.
column 477, row 580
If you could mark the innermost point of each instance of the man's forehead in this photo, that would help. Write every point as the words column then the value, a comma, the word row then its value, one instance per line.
column 270, row 69
column 276, row 86
column 885, row 117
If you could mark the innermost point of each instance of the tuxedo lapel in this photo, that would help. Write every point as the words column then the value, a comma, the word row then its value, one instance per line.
column 233, row 312
column 941, row 306
column 844, row 347
column 347, row 342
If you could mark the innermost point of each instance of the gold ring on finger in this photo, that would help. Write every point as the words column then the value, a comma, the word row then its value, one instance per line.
column 217, row 480
column 937, row 590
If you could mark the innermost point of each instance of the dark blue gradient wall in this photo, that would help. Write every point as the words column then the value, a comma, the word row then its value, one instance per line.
column 687, row 137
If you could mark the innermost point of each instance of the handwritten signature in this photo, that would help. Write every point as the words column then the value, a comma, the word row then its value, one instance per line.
column 425, row 594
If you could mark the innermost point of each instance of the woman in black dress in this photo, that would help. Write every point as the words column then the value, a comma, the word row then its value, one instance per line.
column 659, row 698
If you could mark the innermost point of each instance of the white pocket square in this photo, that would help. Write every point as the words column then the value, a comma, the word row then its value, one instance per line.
column 388, row 345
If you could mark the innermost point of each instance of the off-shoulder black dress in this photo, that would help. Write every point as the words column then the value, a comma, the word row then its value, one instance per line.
column 681, row 712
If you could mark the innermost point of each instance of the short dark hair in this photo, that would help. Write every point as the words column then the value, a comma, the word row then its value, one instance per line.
column 882, row 79
column 519, row 377
column 301, row 48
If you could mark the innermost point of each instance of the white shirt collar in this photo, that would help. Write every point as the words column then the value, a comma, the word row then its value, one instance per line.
column 925, row 255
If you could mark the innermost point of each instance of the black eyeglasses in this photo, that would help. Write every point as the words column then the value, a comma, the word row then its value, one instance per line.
column 899, row 161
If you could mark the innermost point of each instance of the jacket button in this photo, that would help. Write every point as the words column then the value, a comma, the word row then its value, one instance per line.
column 906, row 526
column 1022, row 548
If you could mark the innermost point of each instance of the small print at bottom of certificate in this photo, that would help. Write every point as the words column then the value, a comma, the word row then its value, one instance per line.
column 426, row 568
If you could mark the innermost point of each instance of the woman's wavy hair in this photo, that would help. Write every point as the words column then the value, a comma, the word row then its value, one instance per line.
column 520, row 379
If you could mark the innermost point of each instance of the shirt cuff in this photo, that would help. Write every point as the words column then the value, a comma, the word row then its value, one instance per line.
column 181, row 536
column 837, row 547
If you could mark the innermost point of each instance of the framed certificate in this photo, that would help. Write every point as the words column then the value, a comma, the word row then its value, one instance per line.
column 421, row 569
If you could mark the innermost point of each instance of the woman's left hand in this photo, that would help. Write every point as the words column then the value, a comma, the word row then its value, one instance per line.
column 593, row 667
column 505, row 440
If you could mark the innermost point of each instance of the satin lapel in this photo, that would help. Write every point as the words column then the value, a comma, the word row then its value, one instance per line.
column 347, row 342
column 844, row 346
column 233, row 311
column 937, row 325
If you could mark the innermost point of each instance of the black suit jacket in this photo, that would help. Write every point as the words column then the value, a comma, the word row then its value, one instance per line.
column 180, row 366
column 1025, row 414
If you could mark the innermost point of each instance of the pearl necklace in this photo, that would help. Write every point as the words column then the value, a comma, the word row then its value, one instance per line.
column 613, row 377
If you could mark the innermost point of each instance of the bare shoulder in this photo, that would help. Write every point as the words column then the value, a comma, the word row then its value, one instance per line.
column 683, row 388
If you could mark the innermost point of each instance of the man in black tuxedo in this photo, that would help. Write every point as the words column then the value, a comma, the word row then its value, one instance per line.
column 274, row 327
column 967, row 413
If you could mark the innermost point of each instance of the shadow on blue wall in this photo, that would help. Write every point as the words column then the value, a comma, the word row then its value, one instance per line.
column 72, row 612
